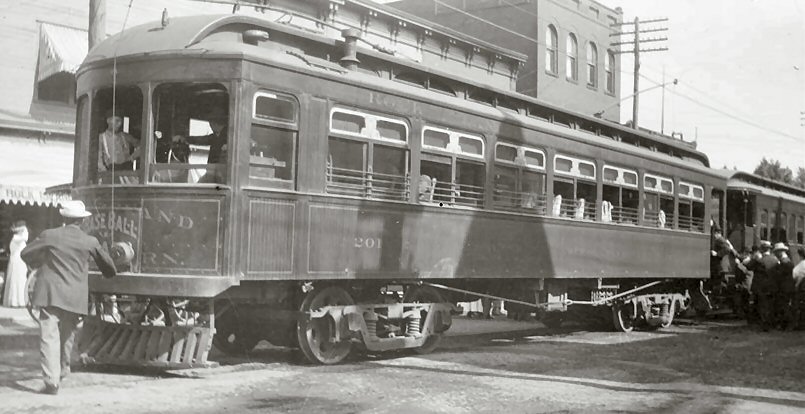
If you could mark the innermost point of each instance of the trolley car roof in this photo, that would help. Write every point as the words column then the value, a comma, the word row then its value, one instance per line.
column 743, row 181
column 187, row 35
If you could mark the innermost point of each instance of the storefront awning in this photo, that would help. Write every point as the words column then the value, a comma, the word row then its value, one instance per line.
column 30, row 195
column 61, row 49
column 28, row 166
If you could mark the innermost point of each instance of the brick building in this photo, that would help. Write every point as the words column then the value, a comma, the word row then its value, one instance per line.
column 567, row 43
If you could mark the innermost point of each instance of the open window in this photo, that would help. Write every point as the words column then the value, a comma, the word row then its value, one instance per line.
column 368, row 155
column 764, row 225
column 272, row 145
column 658, row 201
column 620, row 198
column 519, row 178
column 115, row 135
column 191, row 133
column 691, row 207
column 453, row 162
column 574, row 188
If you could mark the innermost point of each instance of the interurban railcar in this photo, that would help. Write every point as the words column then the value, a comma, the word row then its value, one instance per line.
column 351, row 203
column 763, row 209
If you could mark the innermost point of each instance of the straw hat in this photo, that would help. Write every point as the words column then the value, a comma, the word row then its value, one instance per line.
column 780, row 246
column 74, row 209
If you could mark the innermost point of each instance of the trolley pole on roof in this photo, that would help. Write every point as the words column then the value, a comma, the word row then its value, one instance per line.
column 97, row 22
column 635, row 42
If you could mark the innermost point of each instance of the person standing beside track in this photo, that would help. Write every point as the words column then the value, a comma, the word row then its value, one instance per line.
column 785, row 287
column 763, row 283
column 61, row 289
column 798, row 276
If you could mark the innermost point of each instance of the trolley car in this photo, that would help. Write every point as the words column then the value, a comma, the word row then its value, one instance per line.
column 343, row 177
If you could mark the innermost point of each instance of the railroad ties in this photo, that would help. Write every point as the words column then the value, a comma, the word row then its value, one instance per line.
column 169, row 347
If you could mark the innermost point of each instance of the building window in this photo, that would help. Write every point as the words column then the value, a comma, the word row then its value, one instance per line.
column 609, row 68
column 551, row 50
column 572, row 69
column 592, row 65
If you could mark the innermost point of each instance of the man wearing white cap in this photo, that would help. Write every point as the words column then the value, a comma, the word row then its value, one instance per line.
column 61, row 290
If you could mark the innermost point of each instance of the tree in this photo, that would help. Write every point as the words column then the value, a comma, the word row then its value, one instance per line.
column 773, row 170
column 800, row 180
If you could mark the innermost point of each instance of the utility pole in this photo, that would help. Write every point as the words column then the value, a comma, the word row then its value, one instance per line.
column 635, row 42
column 97, row 22
column 662, row 116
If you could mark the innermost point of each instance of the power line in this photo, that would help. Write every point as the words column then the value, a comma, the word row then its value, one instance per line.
column 725, row 113
column 735, row 117
column 488, row 22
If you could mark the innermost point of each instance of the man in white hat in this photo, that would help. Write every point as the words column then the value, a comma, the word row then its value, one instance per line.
column 764, row 287
column 61, row 290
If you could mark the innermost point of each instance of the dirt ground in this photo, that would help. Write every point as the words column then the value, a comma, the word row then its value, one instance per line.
column 714, row 366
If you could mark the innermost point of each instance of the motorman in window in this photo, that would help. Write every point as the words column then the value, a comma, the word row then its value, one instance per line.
column 217, row 141
column 117, row 148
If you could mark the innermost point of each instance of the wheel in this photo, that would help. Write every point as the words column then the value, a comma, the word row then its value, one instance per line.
column 622, row 317
column 553, row 320
column 314, row 334
column 231, row 337
column 425, row 294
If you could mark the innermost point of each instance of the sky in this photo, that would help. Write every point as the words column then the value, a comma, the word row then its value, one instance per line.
column 741, row 71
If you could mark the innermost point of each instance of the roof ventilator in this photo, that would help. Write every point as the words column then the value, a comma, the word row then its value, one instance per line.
column 350, row 60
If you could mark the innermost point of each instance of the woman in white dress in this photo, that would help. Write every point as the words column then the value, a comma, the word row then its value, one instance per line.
column 17, row 272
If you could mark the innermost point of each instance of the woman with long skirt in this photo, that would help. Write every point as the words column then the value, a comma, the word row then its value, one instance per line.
column 15, row 295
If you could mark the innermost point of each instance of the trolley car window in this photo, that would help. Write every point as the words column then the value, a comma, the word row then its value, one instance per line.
column 517, row 187
column 620, row 195
column 457, row 179
column 191, row 130
column 773, row 226
column 349, row 123
column 505, row 152
column 800, row 231
column 533, row 158
column 115, row 135
column 435, row 139
column 764, row 230
column 272, row 143
column 792, row 230
column 368, row 156
column 369, row 126
column 274, row 107
column 575, row 195
column 781, row 232
column 692, row 197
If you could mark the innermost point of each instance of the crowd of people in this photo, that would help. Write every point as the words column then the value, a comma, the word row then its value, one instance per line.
column 768, row 288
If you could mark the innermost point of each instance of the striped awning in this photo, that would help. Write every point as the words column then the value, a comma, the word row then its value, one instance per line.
column 37, row 196
column 61, row 49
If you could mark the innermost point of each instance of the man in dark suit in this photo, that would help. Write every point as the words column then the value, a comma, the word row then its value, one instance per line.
column 61, row 290
column 763, row 283
column 217, row 141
